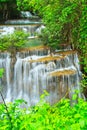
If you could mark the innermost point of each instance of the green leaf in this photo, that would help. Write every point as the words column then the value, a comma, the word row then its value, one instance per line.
column 74, row 97
column 82, row 123
column 1, row 72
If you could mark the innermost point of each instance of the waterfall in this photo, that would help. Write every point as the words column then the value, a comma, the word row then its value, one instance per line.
column 36, row 70
column 59, row 75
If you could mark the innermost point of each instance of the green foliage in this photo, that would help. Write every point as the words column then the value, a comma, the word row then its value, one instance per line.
column 83, row 36
column 84, row 81
column 84, row 85
column 22, row 5
column 13, row 41
column 65, row 23
column 1, row 72
column 61, row 116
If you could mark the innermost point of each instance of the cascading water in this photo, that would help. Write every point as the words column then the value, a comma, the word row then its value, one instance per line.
column 58, row 75
column 36, row 70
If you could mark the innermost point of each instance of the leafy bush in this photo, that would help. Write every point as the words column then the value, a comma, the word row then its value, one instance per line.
column 12, row 41
column 61, row 116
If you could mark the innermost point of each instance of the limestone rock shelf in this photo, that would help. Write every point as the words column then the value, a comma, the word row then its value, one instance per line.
column 63, row 72
column 47, row 59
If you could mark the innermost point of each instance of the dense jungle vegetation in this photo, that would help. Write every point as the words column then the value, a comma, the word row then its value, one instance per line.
column 66, row 24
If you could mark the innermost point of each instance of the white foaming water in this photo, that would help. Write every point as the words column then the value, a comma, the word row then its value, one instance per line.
column 7, row 30
column 26, row 14
column 8, row 73
column 39, row 30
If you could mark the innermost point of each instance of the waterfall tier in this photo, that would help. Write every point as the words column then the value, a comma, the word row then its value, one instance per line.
column 8, row 29
column 36, row 71
column 22, row 22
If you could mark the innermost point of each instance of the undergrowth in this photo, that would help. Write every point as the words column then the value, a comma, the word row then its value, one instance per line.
column 43, row 116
